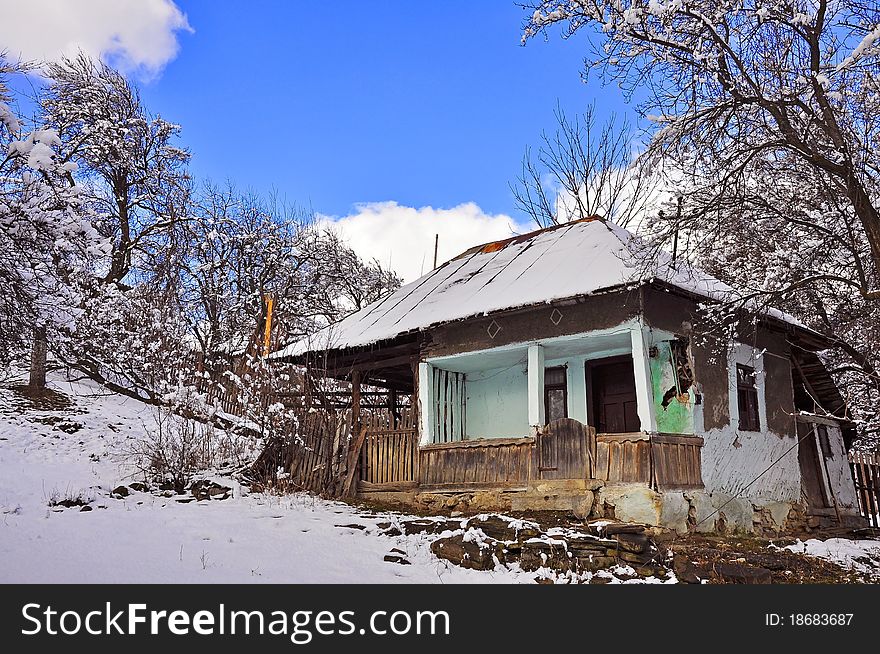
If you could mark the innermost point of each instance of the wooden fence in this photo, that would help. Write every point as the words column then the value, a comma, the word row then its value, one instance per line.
column 485, row 463
column 390, row 452
column 666, row 461
column 866, row 475
column 392, row 460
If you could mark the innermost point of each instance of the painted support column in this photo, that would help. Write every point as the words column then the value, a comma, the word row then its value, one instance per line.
column 426, row 406
column 536, row 386
column 642, row 374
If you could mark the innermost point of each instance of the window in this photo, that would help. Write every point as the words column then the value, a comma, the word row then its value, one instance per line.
column 824, row 443
column 747, row 398
column 555, row 393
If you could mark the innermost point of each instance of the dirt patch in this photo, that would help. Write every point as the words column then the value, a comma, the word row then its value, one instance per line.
column 42, row 399
column 711, row 557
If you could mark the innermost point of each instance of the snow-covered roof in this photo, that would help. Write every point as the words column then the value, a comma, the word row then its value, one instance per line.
column 565, row 261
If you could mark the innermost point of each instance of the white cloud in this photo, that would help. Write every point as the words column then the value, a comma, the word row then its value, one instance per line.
column 403, row 237
column 132, row 35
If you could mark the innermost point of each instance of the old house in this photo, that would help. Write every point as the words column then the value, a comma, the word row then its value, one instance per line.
column 556, row 370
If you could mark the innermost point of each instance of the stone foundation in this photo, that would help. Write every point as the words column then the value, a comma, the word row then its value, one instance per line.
column 682, row 511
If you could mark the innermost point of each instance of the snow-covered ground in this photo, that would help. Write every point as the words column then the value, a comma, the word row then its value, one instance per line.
column 84, row 451
column 145, row 538
column 858, row 555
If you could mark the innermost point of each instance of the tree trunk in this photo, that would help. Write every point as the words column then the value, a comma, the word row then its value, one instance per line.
column 38, row 359
column 870, row 220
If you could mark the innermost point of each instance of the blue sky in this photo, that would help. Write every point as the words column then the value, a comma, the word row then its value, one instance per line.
column 421, row 103
column 394, row 119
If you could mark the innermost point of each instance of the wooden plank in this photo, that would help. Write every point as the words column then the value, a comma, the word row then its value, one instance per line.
column 400, row 486
column 481, row 442
column 454, row 487
column 629, row 436
column 677, row 439
column 601, row 471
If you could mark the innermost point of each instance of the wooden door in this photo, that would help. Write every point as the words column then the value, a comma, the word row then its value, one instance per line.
column 611, row 386
column 565, row 450
column 812, row 473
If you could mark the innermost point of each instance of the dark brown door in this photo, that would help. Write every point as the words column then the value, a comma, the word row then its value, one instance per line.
column 612, row 389
column 811, row 473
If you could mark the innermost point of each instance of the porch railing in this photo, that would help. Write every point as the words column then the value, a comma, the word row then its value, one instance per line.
column 665, row 461
column 391, row 459
column 485, row 463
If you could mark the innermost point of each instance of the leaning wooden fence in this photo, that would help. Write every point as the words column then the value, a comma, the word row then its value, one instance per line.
column 390, row 452
column 866, row 475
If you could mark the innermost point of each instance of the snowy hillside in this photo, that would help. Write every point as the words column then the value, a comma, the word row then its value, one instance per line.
column 148, row 538
column 64, row 456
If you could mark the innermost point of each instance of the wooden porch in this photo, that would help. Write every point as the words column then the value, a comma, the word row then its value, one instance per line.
column 391, row 460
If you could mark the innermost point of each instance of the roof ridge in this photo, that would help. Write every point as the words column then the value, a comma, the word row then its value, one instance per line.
column 495, row 246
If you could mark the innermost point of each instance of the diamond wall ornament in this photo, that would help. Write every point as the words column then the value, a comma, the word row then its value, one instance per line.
column 556, row 317
column 493, row 329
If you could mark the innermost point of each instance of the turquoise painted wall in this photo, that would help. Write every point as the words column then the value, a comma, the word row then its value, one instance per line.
column 497, row 400
column 497, row 403
column 677, row 417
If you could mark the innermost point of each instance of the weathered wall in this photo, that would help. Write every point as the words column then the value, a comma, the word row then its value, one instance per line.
column 779, row 388
column 497, row 403
column 678, row 315
column 732, row 460
column 838, row 471
column 534, row 323
column 675, row 415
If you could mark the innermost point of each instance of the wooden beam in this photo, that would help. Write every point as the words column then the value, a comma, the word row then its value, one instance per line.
column 379, row 364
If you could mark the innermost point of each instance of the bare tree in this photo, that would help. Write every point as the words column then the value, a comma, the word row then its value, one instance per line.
column 730, row 82
column 766, row 126
column 583, row 170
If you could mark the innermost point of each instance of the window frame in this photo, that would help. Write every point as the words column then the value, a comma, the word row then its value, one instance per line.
column 563, row 386
column 748, row 399
column 824, row 441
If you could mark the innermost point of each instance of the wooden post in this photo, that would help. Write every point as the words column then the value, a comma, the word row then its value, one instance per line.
column 414, row 400
column 392, row 407
column 267, row 334
column 536, row 386
column 424, row 403
column 355, row 401
column 357, row 434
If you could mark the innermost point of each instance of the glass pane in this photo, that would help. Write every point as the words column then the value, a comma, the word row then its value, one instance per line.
column 554, row 376
column 556, row 405
column 745, row 376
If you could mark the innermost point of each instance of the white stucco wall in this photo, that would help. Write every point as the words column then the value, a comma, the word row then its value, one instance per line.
column 735, row 462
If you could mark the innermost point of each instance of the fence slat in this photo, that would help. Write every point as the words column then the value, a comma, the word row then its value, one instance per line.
column 865, row 468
